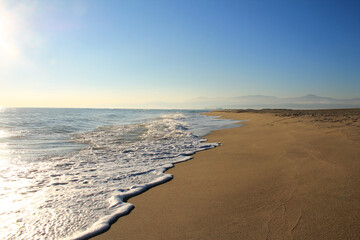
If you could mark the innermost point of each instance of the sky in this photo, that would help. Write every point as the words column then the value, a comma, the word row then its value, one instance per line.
column 131, row 54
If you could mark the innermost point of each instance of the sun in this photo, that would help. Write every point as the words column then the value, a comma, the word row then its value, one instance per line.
column 14, row 32
column 9, row 30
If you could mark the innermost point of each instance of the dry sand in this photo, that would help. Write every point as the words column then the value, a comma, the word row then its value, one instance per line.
column 283, row 175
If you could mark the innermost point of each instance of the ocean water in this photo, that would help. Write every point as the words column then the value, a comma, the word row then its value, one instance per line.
column 67, row 173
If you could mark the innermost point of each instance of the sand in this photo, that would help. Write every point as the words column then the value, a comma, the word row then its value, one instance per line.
column 283, row 175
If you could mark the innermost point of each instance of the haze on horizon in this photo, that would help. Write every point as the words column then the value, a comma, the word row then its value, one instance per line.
column 134, row 54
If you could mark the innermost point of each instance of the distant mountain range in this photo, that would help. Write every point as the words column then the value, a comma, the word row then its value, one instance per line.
column 260, row 101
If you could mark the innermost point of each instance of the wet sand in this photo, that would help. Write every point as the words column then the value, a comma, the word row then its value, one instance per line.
column 283, row 175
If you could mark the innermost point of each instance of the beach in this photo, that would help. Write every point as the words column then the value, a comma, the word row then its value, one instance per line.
column 284, row 174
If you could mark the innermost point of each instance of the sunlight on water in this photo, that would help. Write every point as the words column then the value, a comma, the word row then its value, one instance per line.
column 5, row 155
column 3, row 134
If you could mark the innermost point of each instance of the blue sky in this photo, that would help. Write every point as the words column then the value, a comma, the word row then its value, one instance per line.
column 129, row 53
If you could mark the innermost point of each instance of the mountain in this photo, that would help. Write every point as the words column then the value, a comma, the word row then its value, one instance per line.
column 310, row 101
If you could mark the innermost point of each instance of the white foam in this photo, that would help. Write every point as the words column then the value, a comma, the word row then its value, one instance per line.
column 120, row 199
column 104, row 223
column 123, row 208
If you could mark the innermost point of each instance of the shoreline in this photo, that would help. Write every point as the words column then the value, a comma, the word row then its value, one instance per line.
column 276, row 177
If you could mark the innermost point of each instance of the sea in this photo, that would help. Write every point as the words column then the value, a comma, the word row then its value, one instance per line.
column 69, row 173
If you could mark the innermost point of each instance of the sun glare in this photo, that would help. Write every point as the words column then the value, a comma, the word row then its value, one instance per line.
column 9, row 50
column 14, row 32
column 7, row 25
column 3, row 134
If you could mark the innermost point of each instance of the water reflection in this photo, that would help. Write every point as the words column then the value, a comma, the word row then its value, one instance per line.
column 3, row 134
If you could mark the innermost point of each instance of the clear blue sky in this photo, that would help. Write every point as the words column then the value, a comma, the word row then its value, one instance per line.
column 127, row 53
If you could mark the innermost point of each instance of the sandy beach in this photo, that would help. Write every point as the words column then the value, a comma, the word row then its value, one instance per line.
column 282, row 175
